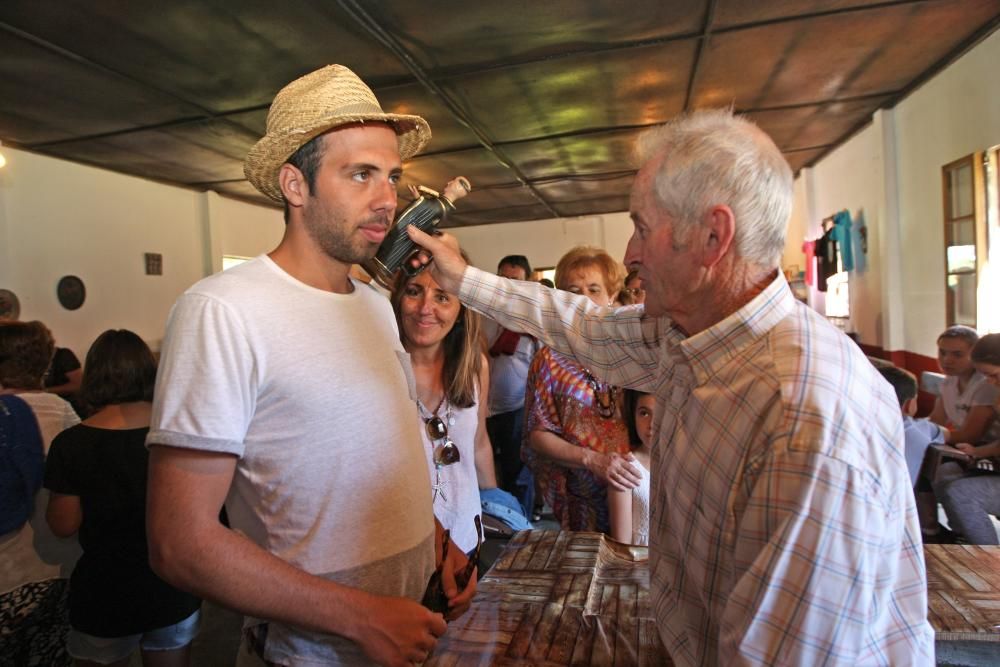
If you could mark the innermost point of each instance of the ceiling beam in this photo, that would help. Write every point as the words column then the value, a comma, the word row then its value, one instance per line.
column 923, row 78
column 458, row 71
column 706, row 35
column 394, row 46
column 104, row 69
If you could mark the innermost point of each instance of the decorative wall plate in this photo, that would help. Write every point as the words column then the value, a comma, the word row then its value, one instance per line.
column 71, row 292
column 10, row 307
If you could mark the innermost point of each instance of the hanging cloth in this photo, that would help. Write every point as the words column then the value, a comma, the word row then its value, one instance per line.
column 809, row 248
column 842, row 235
column 859, row 239
column 826, row 258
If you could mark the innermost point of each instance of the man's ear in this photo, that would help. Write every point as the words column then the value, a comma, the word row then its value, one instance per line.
column 293, row 184
column 910, row 406
column 719, row 230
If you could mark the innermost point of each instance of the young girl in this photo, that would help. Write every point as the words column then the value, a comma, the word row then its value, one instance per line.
column 630, row 509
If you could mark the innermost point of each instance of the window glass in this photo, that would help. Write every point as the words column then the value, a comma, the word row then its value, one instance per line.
column 838, row 295
column 962, row 299
column 962, row 232
column 960, row 191
column 961, row 247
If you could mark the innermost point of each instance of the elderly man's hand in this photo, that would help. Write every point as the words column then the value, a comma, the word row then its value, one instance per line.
column 447, row 266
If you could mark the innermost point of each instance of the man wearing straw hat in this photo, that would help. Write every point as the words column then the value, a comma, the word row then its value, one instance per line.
column 284, row 392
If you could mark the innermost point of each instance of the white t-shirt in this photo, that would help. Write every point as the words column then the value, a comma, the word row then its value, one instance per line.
column 53, row 413
column 314, row 393
column 508, row 372
column 640, row 508
column 978, row 391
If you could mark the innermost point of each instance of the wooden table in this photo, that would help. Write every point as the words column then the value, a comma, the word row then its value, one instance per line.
column 558, row 598
column 963, row 592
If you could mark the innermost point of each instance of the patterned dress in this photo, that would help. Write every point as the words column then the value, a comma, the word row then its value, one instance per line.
column 561, row 399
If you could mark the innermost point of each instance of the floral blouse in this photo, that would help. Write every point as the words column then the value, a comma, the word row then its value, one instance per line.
column 563, row 398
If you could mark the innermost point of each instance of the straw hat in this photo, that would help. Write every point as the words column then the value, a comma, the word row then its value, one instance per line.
column 312, row 105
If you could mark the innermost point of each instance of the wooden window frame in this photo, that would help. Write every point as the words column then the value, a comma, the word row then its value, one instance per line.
column 978, row 219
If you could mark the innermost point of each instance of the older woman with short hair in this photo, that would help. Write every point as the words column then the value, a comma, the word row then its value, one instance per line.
column 575, row 433
column 26, row 350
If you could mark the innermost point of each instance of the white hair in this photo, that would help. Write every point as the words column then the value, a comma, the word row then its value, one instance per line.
column 714, row 157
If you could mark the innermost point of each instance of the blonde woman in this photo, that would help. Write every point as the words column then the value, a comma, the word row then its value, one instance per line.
column 444, row 340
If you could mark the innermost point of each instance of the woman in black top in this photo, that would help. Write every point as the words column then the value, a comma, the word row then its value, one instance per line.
column 96, row 473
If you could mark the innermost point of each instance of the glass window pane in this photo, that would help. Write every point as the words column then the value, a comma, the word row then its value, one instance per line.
column 838, row 295
column 961, row 247
column 960, row 191
column 962, row 299
column 962, row 232
column 961, row 258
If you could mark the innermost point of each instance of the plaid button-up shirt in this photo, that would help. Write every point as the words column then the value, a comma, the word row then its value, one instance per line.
column 783, row 528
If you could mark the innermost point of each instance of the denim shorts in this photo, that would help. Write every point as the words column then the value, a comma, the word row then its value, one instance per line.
column 106, row 650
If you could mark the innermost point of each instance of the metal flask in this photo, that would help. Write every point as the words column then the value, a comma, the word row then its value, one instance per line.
column 426, row 212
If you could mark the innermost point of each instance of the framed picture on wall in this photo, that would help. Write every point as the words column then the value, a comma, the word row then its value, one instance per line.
column 71, row 292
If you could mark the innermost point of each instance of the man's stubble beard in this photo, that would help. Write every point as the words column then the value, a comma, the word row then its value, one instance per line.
column 332, row 233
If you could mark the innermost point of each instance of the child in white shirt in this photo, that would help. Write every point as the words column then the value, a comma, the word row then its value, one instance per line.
column 629, row 510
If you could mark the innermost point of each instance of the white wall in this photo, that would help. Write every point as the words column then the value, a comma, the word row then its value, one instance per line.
column 543, row 242
column 953, row 115
column 891, row 171
column 97, row 225
column 241, row 229
column 59, row 218
column 849, row 179
column 799, row 225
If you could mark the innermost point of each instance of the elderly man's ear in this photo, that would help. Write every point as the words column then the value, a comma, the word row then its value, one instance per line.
column 719, row 230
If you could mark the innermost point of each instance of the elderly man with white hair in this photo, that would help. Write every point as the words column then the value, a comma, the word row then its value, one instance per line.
column 783, row 527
